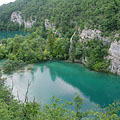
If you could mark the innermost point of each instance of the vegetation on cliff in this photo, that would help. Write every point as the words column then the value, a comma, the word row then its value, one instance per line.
column 66, row 15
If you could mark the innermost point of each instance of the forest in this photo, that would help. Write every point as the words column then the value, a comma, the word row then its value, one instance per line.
column 43, row 45
column 66, row 15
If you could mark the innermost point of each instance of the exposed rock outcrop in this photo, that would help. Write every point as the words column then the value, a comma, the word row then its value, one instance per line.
column 16, row 17
column 84, row 60
column 71, row 41
column 114, row 52
column 49, row 25
column 89, row 34
column 29, row 24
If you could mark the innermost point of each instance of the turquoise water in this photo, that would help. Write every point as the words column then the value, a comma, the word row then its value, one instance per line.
column 2, row 62
column 62, row 80
column 11, row 34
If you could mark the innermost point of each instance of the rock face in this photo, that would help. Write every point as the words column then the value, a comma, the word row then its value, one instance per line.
column 89, row 34
column 29, row 24
column 71, row 41
column 49, row 26
column 85, row 35
column 16, row 17
column 114, row 52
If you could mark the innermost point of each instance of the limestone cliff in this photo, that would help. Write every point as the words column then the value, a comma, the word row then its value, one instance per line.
column 84, row 36
column 49, row 25
column 16, row 17
column 114, row 56
column 89, row 34
column 29, row 23
column 114, row 50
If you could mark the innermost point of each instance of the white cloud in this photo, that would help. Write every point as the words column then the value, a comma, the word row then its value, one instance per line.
column 5, row 1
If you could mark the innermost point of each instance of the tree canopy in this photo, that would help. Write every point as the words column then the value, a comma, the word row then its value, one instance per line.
column 67, row 15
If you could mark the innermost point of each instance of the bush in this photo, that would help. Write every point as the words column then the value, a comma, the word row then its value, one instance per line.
column 11, row 65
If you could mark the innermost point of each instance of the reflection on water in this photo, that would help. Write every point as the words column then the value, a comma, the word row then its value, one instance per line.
column 62, row 80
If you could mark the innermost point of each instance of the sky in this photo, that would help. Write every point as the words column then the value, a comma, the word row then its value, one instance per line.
column 5, row 1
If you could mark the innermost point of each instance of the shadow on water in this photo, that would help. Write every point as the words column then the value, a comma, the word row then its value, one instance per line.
column 62, row 80
column 101, row 88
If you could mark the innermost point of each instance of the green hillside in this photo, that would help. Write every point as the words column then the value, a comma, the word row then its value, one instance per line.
column 42, row 45
column 67, row 15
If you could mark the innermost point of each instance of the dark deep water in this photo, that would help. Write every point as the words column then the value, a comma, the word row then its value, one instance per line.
column 61, row 79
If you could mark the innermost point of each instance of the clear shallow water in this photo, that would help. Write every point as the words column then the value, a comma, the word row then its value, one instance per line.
column 62, row 80
column 11, row 34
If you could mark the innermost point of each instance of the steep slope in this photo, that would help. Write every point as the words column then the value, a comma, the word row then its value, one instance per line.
column 67, row 15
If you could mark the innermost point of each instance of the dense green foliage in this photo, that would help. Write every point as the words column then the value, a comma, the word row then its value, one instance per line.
column 44, row 45
column 67, row 15
column 95, row 53
column 39, row 46
column 12, row 65
column 92, row 52
column 34, row 48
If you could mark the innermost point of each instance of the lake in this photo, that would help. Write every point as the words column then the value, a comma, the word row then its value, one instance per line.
column 63, row 80
column 11, row 34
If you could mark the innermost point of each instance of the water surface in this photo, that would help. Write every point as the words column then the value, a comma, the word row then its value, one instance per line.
column 62, row 80
column 11, row 34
